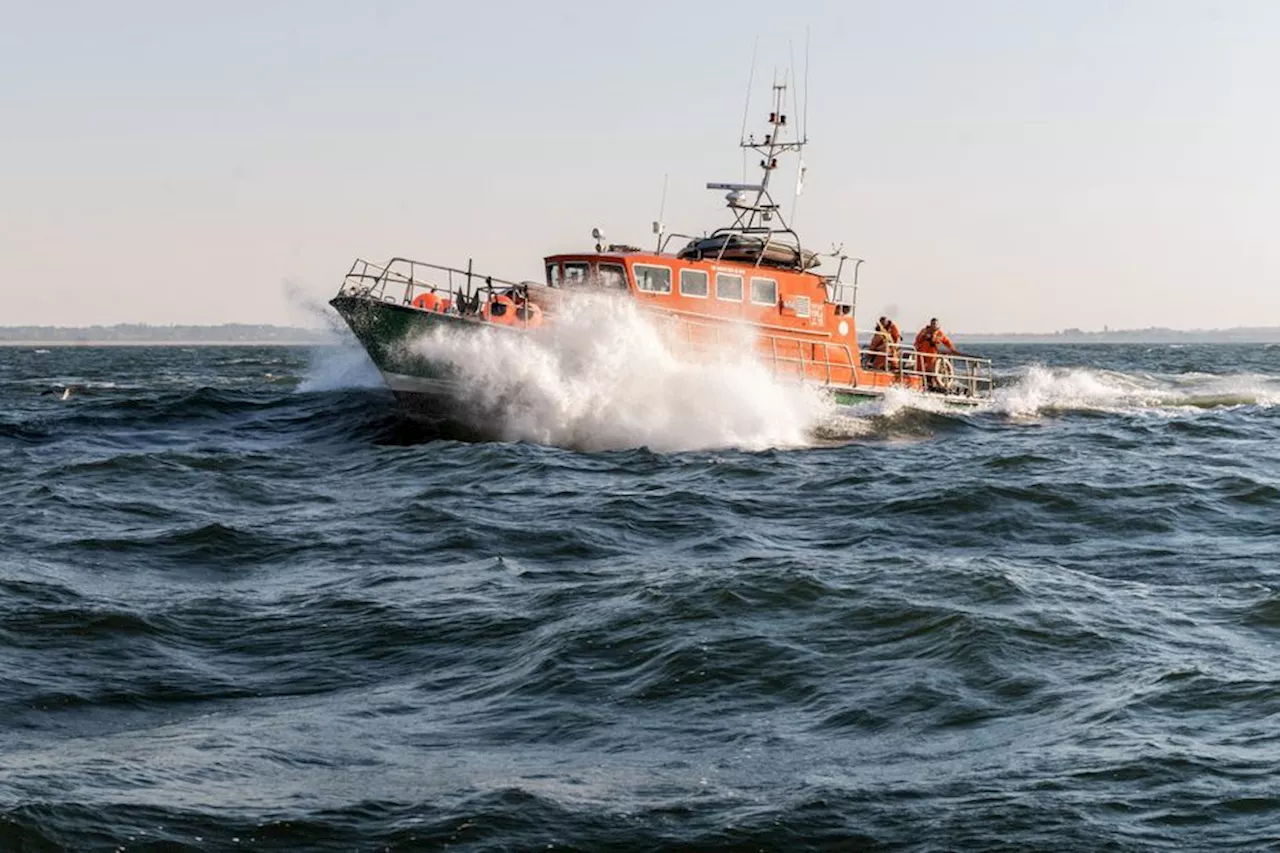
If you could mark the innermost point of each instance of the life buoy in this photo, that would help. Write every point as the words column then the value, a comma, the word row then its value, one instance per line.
column 528, row 315
column 500, row 310
column 429, row 301
column 945, row 374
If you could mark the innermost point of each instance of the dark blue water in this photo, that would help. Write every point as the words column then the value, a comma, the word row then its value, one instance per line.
column 244, row 605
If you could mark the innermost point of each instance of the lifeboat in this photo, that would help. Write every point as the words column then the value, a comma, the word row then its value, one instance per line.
column 754, row 274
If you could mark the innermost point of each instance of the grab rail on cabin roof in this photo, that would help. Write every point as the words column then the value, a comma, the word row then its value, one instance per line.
column 729, row 229
column 767, row 232
column 666, row 238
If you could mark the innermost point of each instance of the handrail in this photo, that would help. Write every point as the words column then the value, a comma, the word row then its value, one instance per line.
column 971, row 376
column 466, row 290
column 394, row 272
column 833, row 354
column 666, row 238
column 968, row 374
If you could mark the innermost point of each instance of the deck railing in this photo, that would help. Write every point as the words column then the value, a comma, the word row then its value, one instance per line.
column 805, row 358
column 831, row 363
column 967, row 375
column 401, row 280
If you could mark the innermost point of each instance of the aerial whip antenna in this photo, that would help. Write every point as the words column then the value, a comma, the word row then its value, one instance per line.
column 791, row 51
column 658, row 226
column 751, row 76
column 746, row 107
column 802, row 132
column 804, row 110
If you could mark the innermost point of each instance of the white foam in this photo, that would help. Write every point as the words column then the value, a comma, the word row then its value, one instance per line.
column 344, row 365
column 1039, row 389
column 899, row 399
column 605, row 376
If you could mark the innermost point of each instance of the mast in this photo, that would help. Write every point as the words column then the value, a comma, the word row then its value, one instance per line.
column 754, row 209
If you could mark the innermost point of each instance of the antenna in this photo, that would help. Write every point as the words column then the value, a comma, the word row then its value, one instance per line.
column 755, row 212
column 658, row 227
column 804, row 111
column 791, row 76
column 802, row 131
column 791, row 49
column 751, row 76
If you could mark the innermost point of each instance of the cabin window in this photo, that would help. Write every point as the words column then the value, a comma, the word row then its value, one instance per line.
column 764, row 291
column 576, row 272
column 728, row 286
column 693, row 283
column 613, row 276
column 553, row 275
column 653, row 279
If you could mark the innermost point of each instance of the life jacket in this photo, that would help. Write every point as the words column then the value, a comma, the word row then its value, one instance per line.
column 885, row 335
column 926, row 341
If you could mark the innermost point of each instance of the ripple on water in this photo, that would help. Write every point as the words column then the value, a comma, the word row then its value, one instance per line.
column 236, row 615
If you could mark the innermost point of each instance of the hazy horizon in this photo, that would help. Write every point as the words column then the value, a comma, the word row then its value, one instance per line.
column 1007, row 167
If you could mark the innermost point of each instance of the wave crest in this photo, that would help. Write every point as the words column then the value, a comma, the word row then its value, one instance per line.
column 1046, row 389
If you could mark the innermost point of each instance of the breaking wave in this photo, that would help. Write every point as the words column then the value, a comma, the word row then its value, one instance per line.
column 607, row 377
column 1038, row 389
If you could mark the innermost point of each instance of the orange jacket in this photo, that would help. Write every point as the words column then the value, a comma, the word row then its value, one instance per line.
column 929, row 342
column 884, row 336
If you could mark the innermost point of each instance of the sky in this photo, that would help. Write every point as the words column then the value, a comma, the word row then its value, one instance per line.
column 1003, row 165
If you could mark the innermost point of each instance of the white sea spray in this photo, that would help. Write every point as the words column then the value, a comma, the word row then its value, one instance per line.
column 604, row 375
column 1038, row 389
column 342, row 365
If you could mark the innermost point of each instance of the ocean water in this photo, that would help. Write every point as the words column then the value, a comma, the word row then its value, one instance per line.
column 245, row 605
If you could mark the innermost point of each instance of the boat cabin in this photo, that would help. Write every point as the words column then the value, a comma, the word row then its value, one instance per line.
column 706, row 289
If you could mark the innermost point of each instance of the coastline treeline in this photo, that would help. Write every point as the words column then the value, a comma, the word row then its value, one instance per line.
column 142, row 333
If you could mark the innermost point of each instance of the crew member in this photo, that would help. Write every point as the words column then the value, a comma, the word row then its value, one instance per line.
column 929, row 342
column 884, row 345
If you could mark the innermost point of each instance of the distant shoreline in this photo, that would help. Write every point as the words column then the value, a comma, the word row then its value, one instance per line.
column 143, row 334
column 1120, row 338
column 166, row 343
